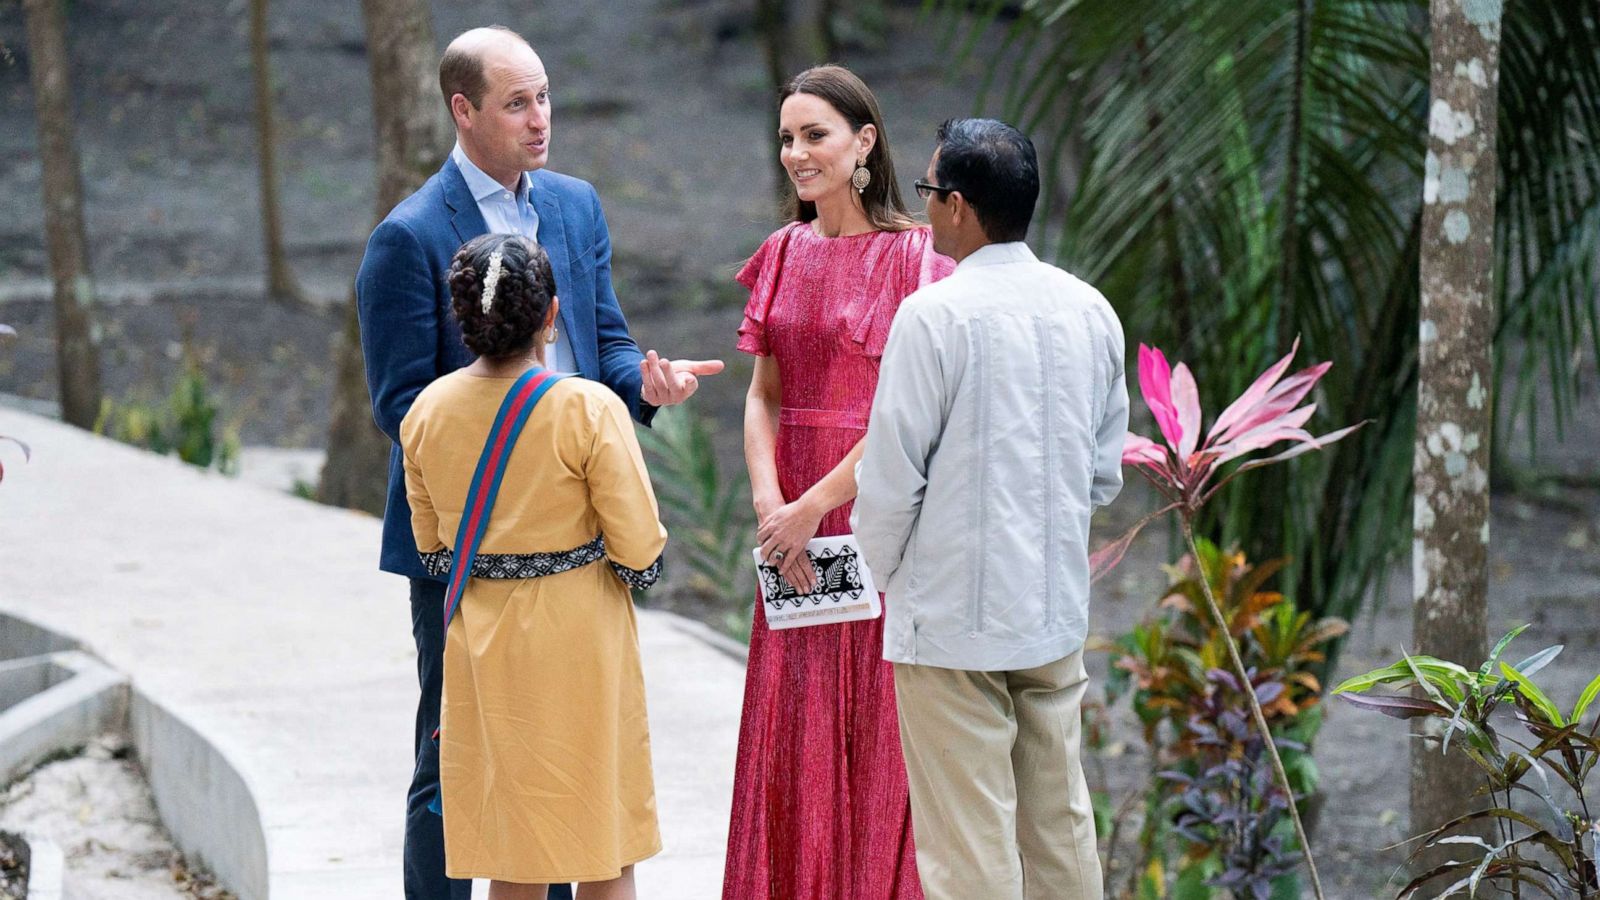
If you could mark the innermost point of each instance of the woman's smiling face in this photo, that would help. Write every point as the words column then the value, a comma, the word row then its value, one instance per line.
column 820, row 151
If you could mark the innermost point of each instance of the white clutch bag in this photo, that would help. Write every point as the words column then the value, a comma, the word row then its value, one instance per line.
column 845, row 591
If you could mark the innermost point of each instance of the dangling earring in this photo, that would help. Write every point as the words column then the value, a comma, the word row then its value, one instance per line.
column 860, row 178
column 550, row 335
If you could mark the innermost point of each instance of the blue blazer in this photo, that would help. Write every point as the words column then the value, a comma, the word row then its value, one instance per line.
column 409, row 336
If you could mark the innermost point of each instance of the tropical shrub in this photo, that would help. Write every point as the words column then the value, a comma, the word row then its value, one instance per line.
column 1231, row 813
column 186, row 425
column 1187, row 470
column 1543, row 846
column 1172, row 669
column 709, row 515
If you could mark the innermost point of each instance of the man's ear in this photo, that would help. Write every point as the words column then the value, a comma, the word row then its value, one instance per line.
column 460, row 108
column 960, row 211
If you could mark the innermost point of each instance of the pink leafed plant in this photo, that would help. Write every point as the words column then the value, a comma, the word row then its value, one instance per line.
column 1184, row 468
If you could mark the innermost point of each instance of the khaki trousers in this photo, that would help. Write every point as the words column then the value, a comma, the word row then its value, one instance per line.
column 999, row 805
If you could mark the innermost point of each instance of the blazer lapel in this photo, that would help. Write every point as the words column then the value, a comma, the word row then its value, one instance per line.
column 553, row 238
column 464, row 215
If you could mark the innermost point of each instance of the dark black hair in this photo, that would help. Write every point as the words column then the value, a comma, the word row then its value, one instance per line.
column 522, row 294
column 996, row 170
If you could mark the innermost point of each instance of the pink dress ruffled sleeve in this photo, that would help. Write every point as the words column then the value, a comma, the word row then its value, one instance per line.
column 760, row 274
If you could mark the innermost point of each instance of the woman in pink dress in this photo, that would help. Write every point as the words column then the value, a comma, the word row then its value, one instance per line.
column 820, row 806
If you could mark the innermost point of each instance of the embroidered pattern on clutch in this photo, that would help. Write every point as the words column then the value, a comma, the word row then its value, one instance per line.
column 838, row 578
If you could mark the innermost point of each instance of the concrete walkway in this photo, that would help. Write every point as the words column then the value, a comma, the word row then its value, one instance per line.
column 259, row 622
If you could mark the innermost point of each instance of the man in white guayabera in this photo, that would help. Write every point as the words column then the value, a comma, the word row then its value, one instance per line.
column 996, row 430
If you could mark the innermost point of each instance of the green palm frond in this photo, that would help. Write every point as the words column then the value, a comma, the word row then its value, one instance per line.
column 709, row 516
column 1233, row 175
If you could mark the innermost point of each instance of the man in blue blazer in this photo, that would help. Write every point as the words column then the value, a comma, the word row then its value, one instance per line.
column 494, row 181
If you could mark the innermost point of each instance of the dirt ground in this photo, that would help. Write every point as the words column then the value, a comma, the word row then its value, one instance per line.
column 663, row 106
column 98, row 810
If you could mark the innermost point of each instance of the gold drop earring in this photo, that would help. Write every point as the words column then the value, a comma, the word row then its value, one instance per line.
column 860, row 178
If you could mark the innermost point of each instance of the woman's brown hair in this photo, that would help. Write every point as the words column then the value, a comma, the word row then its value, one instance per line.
column 849, row 95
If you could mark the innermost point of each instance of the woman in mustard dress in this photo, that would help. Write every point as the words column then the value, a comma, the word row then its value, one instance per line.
column 544, row 746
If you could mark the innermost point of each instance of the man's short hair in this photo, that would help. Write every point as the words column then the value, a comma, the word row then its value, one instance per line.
column 461, row 70
column 995, row 168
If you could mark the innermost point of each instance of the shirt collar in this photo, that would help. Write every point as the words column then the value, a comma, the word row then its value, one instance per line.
column 996, row 254
column 480, row 183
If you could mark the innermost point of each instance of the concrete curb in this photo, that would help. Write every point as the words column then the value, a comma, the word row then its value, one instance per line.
column 55, row 703
column 203, row 801
column 20, row 638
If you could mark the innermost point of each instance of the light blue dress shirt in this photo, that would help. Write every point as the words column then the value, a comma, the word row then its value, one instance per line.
column 508, row 212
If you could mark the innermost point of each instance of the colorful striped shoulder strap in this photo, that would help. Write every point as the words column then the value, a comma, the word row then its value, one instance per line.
column 519, row 402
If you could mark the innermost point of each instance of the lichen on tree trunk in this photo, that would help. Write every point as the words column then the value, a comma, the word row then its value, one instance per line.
column 1455, row 369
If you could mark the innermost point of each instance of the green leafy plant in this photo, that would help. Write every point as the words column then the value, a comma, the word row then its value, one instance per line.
column 1171, row 668
column 709, row 514
column 185, row 426
column 1549, row 845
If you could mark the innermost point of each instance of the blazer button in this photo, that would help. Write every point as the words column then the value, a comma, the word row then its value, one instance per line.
column 972, row 634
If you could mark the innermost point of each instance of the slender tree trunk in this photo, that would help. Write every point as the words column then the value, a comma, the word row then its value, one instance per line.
column 281, row 283
column 77, row 353
column 772, row 21
column 828, row 30
column 1455, row 369
column 413, row 136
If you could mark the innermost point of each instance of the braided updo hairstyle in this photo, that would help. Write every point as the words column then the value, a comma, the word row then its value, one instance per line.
column 521, row 300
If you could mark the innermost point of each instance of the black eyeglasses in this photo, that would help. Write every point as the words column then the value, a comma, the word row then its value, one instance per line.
column 925, row 188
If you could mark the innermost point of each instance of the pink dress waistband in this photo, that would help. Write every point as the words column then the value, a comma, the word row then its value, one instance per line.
column 821, row 418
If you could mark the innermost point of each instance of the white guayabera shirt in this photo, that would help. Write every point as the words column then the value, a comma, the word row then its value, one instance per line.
column 996, row 430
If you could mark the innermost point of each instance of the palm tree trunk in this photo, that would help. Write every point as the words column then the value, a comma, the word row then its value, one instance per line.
column 1293, row 179
column 413, row 136
column 77, row 353
column 1455, row 376
column 281, row 283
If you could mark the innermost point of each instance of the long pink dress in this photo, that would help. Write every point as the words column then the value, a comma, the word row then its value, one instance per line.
column 820, row 804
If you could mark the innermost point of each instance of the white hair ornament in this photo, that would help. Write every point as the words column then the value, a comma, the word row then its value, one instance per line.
column 493, row 278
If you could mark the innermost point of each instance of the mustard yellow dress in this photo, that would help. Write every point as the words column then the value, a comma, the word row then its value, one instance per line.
column 544, row 746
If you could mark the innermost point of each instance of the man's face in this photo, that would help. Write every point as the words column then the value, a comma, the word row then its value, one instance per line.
column 938, row 208
column 510, row 130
